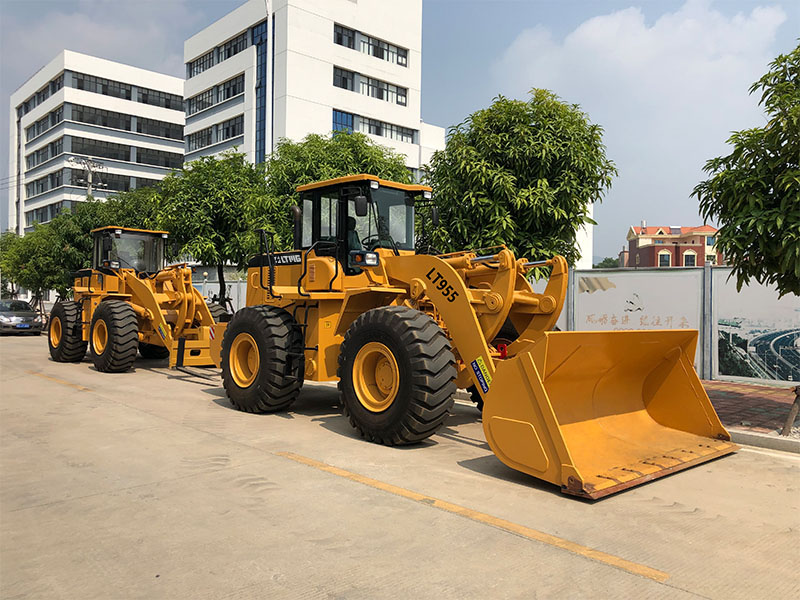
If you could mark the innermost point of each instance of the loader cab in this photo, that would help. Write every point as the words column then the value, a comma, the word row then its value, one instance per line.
column 123, row 248
column 357, row 214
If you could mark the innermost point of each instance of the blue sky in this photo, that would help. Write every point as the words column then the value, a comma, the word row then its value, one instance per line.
column 667, row 79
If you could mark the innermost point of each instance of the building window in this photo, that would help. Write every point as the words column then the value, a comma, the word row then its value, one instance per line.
column 45, row 153
column 199, row 65
column 231, row 128
column 159, row 128
column 689, row 259
column 199, row 139
column 159, row 158
column 143, row 182
column 46, row 123
column 101, row 149
column 711, row 259
column 664, row 259
column 233, row 47
column 47, row 213
column 344, row 79
column 104, row 118
column 344, row 36
column 710, row 240
column 384, row 91
column 156, row 98
column 45, row 184
column 342, row 121
column 388, row 130
column 259, row 33
column 98, row 85
column 229, row 89
column 384, row 51
column 200, row 102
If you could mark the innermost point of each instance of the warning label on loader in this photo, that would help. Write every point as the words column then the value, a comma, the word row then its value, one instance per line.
column 482, row 373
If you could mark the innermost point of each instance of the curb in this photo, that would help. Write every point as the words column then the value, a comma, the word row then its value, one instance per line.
column 772, row 441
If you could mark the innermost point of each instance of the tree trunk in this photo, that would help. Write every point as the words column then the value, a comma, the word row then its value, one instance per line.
column 221, row 279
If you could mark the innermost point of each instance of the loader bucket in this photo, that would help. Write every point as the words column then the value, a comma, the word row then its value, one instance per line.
column 597, row 412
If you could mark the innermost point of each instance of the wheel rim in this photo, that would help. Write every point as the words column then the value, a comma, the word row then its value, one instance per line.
column 244, row 360
column 376, row 377
column 55, row 332
column 99, row 336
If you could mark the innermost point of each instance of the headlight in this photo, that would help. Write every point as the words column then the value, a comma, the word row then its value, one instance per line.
column 5, row 319
column 371, row 259
column 37, row 319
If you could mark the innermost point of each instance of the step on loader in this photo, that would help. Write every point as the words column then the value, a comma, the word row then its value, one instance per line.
column 592, row 412
column 128, row 302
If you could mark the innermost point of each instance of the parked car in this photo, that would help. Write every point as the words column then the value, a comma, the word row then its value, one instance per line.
column 17, row 316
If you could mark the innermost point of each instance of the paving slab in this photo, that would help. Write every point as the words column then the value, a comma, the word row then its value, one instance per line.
column 148, row 484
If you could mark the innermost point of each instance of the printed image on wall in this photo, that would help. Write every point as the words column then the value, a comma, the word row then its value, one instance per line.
column 758, row 335
column 652, row 299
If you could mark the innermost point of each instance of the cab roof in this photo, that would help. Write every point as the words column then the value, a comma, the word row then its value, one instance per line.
column 112, row 228
column 364, row 177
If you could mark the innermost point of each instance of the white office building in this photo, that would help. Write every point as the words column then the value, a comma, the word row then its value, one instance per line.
column 83, row 121
column 276, row 69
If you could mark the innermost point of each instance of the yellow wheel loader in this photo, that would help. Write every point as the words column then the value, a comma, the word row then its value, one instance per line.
column 128, row 302
column 592, row 412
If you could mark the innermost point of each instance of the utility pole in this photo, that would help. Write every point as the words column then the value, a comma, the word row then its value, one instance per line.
column 90, row 167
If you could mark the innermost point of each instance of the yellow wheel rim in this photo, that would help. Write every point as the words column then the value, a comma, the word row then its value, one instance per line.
column 244, row 360
column 376, row 378
column 55, row 332
column 99, row 336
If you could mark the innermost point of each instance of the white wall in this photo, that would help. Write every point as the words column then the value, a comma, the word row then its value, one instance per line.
column 98, row 67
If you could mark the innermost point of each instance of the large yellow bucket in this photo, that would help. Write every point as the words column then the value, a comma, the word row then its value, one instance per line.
column 597, row 412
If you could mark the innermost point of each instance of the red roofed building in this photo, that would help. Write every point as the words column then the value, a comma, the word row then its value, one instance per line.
column 670, row 246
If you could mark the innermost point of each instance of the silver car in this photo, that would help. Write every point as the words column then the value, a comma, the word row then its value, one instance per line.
column 17, row 316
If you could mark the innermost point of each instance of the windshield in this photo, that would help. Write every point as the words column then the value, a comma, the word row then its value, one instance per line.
column 15, row 306
column 139, row 251
column 395, row 219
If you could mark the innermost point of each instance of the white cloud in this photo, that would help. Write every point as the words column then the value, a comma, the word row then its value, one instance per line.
column 667, row 93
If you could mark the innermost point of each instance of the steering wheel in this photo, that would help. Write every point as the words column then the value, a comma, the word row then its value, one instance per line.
column 371, row 242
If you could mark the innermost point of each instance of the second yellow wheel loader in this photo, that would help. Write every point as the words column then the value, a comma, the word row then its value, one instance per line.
column 128, row 302
column 593, row 412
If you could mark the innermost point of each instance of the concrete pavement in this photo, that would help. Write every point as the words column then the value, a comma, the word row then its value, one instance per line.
column 149, row 485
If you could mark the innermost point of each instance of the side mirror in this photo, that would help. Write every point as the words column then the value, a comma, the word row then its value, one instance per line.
column 107, row 245
column 361, row 206
column 297, row 221
column 435, row 216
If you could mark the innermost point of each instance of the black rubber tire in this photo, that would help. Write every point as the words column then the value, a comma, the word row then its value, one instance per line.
column 123, row 336
column 427, row 371
column 218, row 312
column 72, row 347
column 280, row 344
column 153, row 351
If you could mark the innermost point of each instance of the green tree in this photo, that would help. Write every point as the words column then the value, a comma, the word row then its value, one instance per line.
column 607, row 263
column 210, row 209
column 9, row 261
column 37, row 264
column 754, row 192
column 520, row 173
column 316, row 158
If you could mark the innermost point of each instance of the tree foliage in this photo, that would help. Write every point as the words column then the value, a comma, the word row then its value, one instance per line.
column 211, row 208
column 520, row 173
column 754, row 192
column 208, row 207
column 607, row 263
